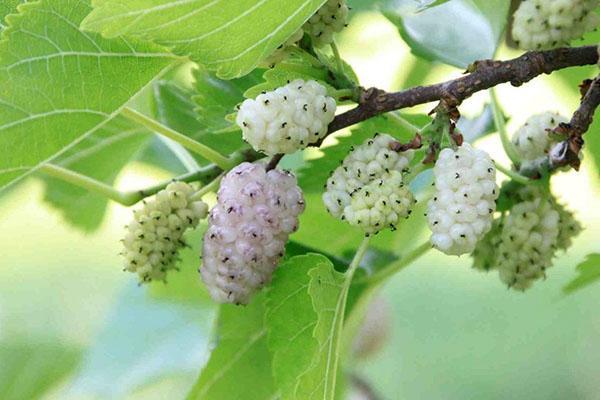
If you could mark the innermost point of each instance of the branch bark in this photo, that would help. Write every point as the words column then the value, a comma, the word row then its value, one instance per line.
column 481, row 75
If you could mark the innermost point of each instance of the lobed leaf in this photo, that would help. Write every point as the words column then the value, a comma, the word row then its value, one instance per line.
column 229, row 37
column 588, row 273
column 59, row 85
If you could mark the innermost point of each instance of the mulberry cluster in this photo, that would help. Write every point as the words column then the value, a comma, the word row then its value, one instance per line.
column 542, row 24
column 484, row 255
column 248, row 229
column 532, row 140
column 461, row 211
column 570, row 227
column 155, row 235
column 287, row 119
column 329, row 20
column 528, row 242
column 367, row 189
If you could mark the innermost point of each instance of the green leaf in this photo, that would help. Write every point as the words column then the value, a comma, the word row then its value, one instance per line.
column 589, row 272
column 446, row 32
column 28, row 370
column 479, row 126
column 143, row 341
column 217, row 98
column 315, row 174
column 228, row 38
column 8, row 7
column 240, row 365
column 291, row 339
column 59, row 85
column 101, row 156
column 327, row 289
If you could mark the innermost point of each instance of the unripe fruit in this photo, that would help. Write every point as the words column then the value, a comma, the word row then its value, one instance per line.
column 287, row 119
column 154, row 237
column 367, row 189
column 248, row 229
column 484, row 255
column 461, row 211
column 532, row 140
column 528, row 241
column 543, row 24
column 330, row 19
column 569, row 227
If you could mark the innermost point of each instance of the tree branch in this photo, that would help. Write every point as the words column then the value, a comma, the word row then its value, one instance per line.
column 482, row 75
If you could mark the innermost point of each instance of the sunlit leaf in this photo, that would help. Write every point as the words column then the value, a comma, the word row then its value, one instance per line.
column 588, row 273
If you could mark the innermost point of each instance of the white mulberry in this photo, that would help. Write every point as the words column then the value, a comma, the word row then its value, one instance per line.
column 542, row 24
column 484, row 255
column 569, row 227
column 367, row 189
column 532, row 140
column 287, row 119
column 248, row 230
column 527, row 243
column 155, row 235
column 329, row 20
column 461, row 211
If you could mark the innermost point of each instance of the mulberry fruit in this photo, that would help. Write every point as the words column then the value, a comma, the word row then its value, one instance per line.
column 542, row 24
column 532, row 140
column 248, row 229
column 329, row 20
column 569, row 227
column 484, row 255
column 527, row 243
column 287, row 119
column 367, row 189
column 283, row 51
column 461, row 211
column 154, row 237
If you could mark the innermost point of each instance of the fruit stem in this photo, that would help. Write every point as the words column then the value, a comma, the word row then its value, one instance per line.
column 509, row 147
column 187, row 142
column 211, row 187
column 91, row 184
column 515, row 176
column 404, row 262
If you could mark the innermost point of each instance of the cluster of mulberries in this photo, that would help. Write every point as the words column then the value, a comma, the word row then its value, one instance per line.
column 248, row 229
column 532, row 140
column 367, row 189
column 329, row 20
column 154, row 237
column 484, row 255
column 287, row 119
column 528, row 242
column 541, row 24
column 461, row 211
column 570, row 227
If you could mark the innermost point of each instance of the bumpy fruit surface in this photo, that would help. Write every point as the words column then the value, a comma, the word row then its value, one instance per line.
column 532, row 140
column 154, row 237
column 461, row 211
column 248, row 229
column 569, row 227
column 542, row 24
column 527, row 243
column 283, row 51
column 287, row 119
column 367, row 189
column 329, row 20
column 484, row 255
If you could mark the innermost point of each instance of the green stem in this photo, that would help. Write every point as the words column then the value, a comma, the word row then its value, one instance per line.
column 211, row 187
column 404, row 123
column 338, row 58
column 345, row 94
column 404, row 262
column 187, row 142
column 509, row 147
column 93, row 185
column 360, row 253
column 515, row 176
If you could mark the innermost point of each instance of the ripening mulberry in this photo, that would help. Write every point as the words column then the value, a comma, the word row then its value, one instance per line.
column 287, row 119
column 542, row 24
column 461, row 211
column 154, row 237
column 527, row 243
column 329, row 20
column 367, row 189
column 532, row 140
column 248, row 229
column 484, row 255
column 569, row 227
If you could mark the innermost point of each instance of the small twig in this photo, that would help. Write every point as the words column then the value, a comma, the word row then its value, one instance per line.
column 567, row 152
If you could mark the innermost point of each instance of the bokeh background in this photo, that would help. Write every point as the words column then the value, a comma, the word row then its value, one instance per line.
column 74, row 326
